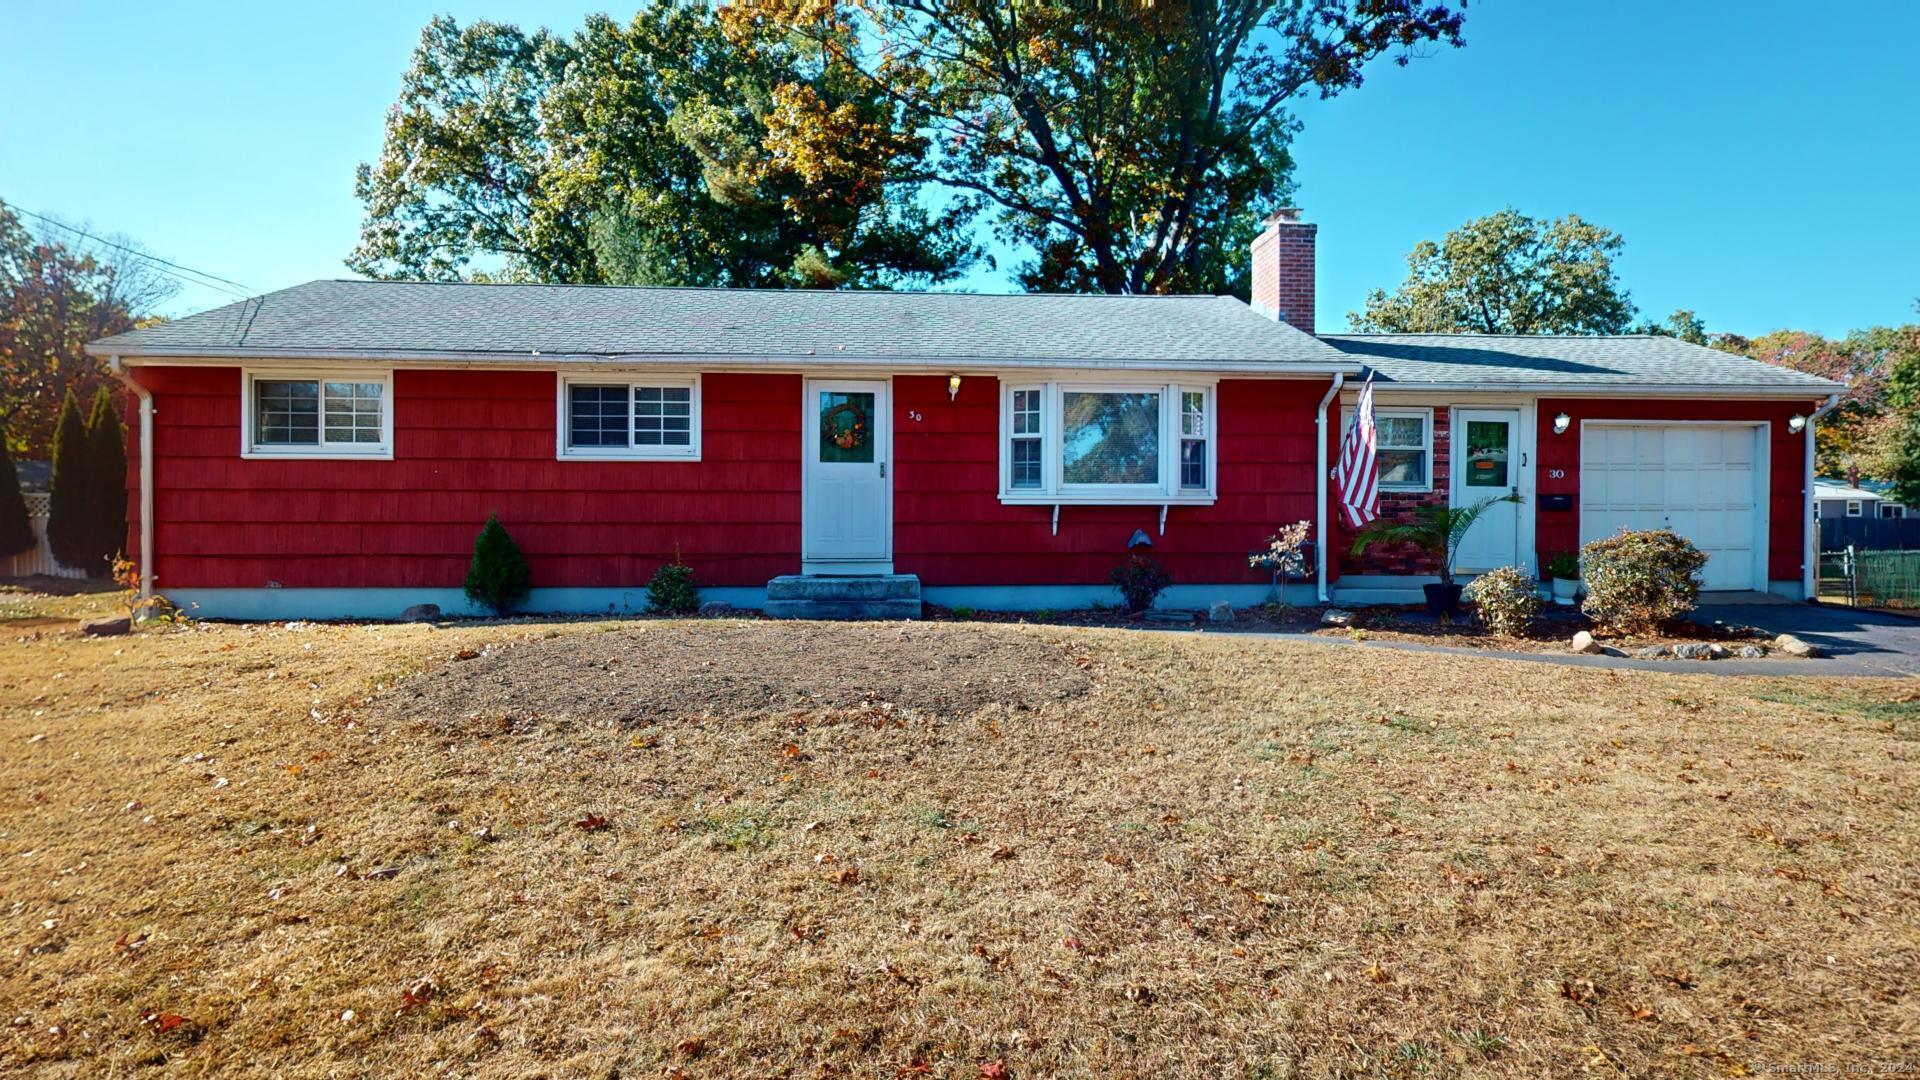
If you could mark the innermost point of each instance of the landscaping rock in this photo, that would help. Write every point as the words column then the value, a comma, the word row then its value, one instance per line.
column 1334, row 616
column 1793, row 646
column 716, row 607
column 1158, row 615
column 421, row 613
column 1583, row 643
column 1718, row 651
column 1653, row 652
column 109, row 626
column 1752, row 652
column 1221, row 611
column 1695, row 650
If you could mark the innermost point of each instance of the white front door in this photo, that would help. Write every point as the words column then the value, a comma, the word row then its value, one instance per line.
column 1705, row 481
column 1486, row 464
column 846, row 515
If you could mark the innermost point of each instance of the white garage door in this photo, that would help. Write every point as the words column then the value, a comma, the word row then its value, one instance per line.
column 1703, row 481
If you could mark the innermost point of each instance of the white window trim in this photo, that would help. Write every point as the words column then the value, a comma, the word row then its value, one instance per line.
column 1054, row 491
column 1855, row 508
column 1891, row 511
column 629, row 379
column 1346, row 419
column 323, row 450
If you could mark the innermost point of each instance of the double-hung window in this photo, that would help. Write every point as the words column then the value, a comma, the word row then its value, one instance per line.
column 630, row 417
column 347, row 414
column 1121, row 442
column 1403, row 448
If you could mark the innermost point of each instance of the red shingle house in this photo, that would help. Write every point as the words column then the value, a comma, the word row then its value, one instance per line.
column 330, row 450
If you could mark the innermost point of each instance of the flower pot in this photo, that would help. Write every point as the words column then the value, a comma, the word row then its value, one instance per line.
column 1443, row 599
column 1565, row 590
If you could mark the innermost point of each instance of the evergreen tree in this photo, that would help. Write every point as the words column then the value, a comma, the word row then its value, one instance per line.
column 16, row 529
column 107, row 464
column 498, row 576
column 67, row 531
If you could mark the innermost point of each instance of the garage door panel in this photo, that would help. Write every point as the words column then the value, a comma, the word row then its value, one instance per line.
column 1698, row 480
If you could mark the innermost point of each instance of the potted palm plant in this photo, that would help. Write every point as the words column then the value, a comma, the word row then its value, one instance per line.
column 1436, row 529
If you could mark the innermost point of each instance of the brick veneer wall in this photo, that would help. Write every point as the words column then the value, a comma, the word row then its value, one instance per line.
column 1399, row 506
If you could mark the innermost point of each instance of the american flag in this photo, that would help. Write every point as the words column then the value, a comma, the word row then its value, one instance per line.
column 1358, row 473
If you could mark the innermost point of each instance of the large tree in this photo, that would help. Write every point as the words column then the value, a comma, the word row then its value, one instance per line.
column 54, row 298
column 1507, row 273
column 640, row 154
column 1126, row 148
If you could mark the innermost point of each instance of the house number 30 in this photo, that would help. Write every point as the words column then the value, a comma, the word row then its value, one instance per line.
column 1556, row 474
column 914, row 415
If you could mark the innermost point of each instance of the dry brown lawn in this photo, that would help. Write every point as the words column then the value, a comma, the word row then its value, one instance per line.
column 748, row 849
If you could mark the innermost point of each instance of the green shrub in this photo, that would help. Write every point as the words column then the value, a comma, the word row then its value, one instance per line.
column 68, row 534
column 16, row 528
column 499, row 576
column 107, row 464
column 672, row 590
column 1140, row 579
column 1640, row 582
column 1507, row 600
column 1563, row 566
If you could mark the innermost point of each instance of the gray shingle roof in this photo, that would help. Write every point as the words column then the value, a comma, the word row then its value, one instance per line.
column 1569, row 361
column 505, row 322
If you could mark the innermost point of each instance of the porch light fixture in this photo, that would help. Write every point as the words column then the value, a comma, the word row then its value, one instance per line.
column 953, row 387
column 1796, row 424
column 1561, row 423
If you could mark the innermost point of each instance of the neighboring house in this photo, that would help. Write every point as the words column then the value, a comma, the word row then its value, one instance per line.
column 331, row 449
column 1867, row 499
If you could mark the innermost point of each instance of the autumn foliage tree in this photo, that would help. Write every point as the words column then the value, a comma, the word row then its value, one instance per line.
column 1123, row 147
column 54, row 298
column 1881, row 368
column 640, row 153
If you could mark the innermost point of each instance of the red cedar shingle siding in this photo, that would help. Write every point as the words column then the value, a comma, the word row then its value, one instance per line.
column 467, row 444
column 1786, row 523
column 951, row 528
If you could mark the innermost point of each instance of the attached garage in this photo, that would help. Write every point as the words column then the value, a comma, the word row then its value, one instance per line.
column 1704, row 480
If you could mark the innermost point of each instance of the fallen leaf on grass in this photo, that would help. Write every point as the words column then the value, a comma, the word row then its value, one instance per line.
column 1579, row 991
column 993, row 1070
column 1681, row 979
column 916, row 1067
column 1001, row 853
column 382, row 874
column 1377, row 974
column 693, row 1047
column 465, row 654
column 846, row 875
column 590, row 823
column 421, row 992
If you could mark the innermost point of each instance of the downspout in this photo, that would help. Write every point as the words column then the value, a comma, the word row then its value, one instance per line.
column 1320, row 487
column 1809, row 547
column 146, row 474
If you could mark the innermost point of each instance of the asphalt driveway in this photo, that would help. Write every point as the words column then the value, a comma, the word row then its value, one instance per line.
column 1858, row 642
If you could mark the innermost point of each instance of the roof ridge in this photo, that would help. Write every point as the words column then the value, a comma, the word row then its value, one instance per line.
column 1523, row 337
column 749, row 289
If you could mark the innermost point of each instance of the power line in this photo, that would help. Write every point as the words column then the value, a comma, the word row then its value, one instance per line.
column 245, row 292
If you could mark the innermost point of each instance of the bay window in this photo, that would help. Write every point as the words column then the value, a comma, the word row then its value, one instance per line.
column 1121, row 442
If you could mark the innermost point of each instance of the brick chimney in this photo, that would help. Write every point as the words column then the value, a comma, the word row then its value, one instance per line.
column 1283, row 269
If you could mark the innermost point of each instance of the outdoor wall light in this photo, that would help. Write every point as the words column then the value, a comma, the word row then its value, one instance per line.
column 953, row 387
column 1796, row 424
column 1561, row 423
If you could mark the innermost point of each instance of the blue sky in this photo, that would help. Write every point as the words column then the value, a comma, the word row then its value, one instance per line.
column 1762, row 163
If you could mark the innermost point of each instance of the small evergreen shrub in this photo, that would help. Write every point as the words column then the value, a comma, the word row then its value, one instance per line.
column 499, row 576
column 672, row 590
column 1140, row 580
column 1507, row 600
column 16, row 528
column 1640, row 582
column 1563, row 566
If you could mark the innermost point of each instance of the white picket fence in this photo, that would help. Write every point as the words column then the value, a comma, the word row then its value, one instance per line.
column 40, row 560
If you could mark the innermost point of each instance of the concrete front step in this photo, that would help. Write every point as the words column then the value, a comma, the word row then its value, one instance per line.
column 877, row 596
